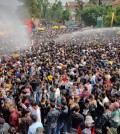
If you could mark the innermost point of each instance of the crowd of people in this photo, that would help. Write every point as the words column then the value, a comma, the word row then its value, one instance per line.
column 66, row 86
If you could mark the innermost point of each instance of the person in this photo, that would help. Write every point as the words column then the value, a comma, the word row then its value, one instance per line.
column 25, row 122
column 32, row 129
column 13, row 118
column 76, row 119
column 104, row 98
column 111, row 130
column 93, row 105
column 43, row 109
column 89, row 126
column 4, row 127
column 52, row 119
column 36, row 111
column 85, row 107
column 70, row 67
column 115, row 117
column 39, row 130
column 63, row 118
column 104, row 121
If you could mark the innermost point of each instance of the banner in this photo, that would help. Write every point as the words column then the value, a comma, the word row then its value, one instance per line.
column 113, row 16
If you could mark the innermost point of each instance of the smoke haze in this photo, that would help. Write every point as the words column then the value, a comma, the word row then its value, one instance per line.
column 16, row 36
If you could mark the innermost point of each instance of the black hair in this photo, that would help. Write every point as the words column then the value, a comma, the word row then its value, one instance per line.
column 76, row 109
column 34, row 118
column 64, row 103
column 34, row 104
column 103, row 94
column 107, row 105
column 52, row 105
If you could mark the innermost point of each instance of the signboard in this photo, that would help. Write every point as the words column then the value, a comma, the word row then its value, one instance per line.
column 99, row 22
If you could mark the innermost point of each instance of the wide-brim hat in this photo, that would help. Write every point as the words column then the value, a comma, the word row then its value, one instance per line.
column 112, row 130
column 89, row 120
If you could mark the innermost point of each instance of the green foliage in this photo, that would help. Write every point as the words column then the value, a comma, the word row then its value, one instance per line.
column 92, row 2
column 66, row 15
column 107, row 20
column 89, row 15
column 56, row 12
column 108, row 16
column 117, row 11
column 35, row 9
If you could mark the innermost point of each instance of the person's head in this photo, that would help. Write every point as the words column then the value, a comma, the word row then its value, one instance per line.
column 96, row 87
column 34, row 118
column 64, row 104
column 76, row 98
column 52, row 105
column 34, row 105
column 86, row 102
column 70, row 99
column 76, row 109
column 39, row 130
column 62, row 95
column 27, row 112
column 91, row 97
column 117, row 96
column 103, row 95
column 106, row 106
column 89, row 121
column 12, row 108
column 114, row 106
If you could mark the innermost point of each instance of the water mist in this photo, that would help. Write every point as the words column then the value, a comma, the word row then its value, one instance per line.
column 13, row 33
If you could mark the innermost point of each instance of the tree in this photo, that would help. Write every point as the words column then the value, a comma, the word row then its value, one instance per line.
column 80, row 4
column 89, row 14
column 107, row 20
column 56, row 11
column 32, row 7
column 117, row 16
column 66, row 15
column 35, row 9
column 44, row 5
column 92, row 2
column 78, row 9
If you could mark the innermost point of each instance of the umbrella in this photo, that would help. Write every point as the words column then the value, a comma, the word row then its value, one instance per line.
column 62, row 27
column 56, row 27
column 41, row 29
column 16, row 55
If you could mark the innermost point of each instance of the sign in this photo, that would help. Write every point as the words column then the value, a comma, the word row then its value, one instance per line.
column 99, row 22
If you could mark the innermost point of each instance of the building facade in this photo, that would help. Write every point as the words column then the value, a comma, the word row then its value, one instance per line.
column 115, row 3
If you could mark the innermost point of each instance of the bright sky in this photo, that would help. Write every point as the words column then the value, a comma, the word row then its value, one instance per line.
column 64, row 1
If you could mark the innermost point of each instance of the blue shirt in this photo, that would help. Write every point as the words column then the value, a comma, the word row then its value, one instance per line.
column 33, row 127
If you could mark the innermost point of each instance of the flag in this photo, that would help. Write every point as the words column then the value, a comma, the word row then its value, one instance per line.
column 113, row 16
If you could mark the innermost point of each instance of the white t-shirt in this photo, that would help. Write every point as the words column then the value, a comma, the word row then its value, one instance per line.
column 105, row 100
column 36, row 113
column 57, row 93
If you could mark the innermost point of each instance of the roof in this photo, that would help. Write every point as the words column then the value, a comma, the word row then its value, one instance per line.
column 71, row 3
column 116, row 2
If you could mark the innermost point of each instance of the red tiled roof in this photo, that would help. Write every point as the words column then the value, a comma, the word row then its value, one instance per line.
column 116, row 2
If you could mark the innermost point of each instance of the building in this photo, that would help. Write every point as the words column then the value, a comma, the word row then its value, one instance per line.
column 115, row 3
column 107, row 2
column 72, row 5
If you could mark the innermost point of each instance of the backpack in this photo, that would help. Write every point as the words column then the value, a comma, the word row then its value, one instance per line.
column 115, row 118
